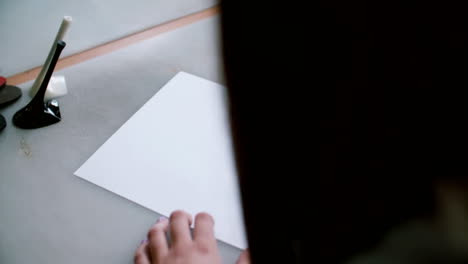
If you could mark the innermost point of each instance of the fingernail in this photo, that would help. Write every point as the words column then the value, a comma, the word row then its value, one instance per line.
column 144, row 241
column 161, row 218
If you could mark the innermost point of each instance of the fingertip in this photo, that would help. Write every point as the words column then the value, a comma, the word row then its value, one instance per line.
column 203, row 232
column 162, row 224
column 162, row 218
column 141, row 256
column 204, row 217
column 180, row 214
column 179, row 229
column 156, row 230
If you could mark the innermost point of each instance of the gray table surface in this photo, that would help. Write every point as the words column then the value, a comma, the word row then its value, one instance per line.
column 28, row 27
column 48, row 215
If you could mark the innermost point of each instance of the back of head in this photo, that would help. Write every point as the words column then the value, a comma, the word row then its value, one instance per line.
column 344, row 114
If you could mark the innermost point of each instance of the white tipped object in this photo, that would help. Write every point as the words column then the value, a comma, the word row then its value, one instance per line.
column 60, row 36
column 57, row 87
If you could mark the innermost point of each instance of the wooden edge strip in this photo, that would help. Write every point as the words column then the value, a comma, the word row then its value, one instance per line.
column 116, row 44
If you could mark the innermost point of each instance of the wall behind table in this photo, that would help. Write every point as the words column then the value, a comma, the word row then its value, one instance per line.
column 28, row 27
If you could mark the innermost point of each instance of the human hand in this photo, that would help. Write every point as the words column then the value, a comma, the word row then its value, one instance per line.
column 183, row 249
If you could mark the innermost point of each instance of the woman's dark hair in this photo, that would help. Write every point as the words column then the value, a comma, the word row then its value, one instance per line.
column 344, row 114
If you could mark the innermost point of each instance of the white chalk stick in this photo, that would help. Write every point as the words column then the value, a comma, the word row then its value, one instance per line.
column 60, row 36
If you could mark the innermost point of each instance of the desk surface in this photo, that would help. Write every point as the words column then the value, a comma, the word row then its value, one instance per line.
column 47, row 214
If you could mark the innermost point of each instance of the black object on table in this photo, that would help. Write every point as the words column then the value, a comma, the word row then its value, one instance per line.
column 2, row 123
column 8, row 94
column 37, row 113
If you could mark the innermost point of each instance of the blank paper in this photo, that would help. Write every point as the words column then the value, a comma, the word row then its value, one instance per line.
column 176, row 153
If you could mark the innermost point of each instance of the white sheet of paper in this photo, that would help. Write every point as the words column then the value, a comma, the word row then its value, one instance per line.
column 176, row 153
